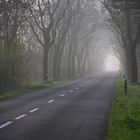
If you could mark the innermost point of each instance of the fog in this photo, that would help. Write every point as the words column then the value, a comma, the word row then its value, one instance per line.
column 112, row 63
column 105, row 51
column 66, row 39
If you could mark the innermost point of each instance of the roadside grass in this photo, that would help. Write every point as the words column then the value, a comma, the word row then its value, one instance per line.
column 27, row 88
column 125, row 116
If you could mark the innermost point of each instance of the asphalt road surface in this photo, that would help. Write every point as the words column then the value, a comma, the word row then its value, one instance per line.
column 78, row 110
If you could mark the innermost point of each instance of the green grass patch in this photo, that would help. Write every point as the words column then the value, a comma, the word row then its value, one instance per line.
column 27, row 88
column 125, row 117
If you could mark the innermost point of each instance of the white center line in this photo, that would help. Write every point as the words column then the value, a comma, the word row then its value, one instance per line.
column 71, row 90
column 62, row 95
column 21, row 116
column 33, row 110
column 5, row 124
column 76, row 88
column 50, row 101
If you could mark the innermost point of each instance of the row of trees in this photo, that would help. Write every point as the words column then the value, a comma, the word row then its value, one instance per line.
column 45, row 39
column 125, row 20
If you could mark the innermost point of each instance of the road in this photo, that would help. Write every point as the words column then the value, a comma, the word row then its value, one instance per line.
column 78, row 110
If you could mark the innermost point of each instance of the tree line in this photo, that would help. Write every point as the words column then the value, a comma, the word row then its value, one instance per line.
column 43, row 40
column 125, row 23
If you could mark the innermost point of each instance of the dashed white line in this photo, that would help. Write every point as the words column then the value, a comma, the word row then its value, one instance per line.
column 62, row 95
column 33, row 110
column 50, row 101
column 71, row 90
column 21, row 116
column 5, row 124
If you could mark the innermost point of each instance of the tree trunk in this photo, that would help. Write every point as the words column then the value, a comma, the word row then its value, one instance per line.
column 69, row 62
column 45, row 64
column 56, row 67
column 78, row 66
column 55, row 64
column 73, row 67
column 127, row 64
column 85, row 57
column 133, row 65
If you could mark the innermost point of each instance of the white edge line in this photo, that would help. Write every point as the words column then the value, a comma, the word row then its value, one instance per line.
column 33, row 110
column 5, row 124
column 21, row 116
column 50, row 101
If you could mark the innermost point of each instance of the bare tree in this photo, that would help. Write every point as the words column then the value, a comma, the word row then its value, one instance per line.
column 126, row 20
column 12, row 17
column 44, row 21
column 60, row 41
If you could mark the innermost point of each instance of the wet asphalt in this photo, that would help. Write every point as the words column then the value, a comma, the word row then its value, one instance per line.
column 77, row 110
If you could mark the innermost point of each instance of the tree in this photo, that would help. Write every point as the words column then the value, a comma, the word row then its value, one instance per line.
column 125, row 17
column 60, row 41
column 12, row 17
column 44, row 21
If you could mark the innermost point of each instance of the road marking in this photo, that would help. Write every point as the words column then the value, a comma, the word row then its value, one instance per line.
column 33, row 110
column 62, row 95
column 82, row 86
column 71, row 90
column 77, row 88
column 21, row 116
column 5, row 124
column 50, row 101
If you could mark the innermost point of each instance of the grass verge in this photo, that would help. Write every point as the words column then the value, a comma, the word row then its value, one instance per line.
column 26, row 89
column 125, row 117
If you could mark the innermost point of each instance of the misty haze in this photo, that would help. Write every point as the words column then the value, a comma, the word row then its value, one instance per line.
column 69, row 69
